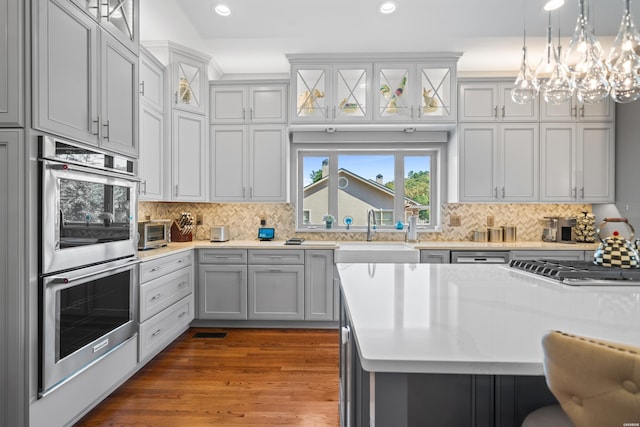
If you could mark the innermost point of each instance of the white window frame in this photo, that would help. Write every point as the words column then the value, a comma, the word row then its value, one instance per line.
column 331, row 151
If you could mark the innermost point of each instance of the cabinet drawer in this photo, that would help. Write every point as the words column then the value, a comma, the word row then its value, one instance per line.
column 276, row 256
column 153, row 269
column 158, row 332
column 222, row 256
column 160, row 293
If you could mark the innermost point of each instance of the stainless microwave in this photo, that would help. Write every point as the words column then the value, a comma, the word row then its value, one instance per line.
column 153, row 234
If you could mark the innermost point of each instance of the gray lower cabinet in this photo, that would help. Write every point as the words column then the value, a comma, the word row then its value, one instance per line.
column 435, row 256
column 319, row 285
column 166, row 301
column 223, row 292
column 222, row 284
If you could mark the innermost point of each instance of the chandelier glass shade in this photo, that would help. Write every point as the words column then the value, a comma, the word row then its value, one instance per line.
column 552, row 76
column 624, row 62
column 525, row 88
column 584, row 59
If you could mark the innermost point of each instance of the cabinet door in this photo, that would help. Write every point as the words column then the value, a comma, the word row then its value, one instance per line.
column 603, row 111
column 276, row 292
column 151, row 80
column 119, row 96
column 478, row 161
column 558, row 162
column 567, row 111
column 395, row 98
column 513, row 112
column 65, row 55
column 596, row 162
column 122, row 18
column 150, row 166
column 310, row 85
column 268, row 163
column 478, row 102
column 435, row 256
column 189, row 83
column 228, row 151
column 519, row 163
column 318, row 285
column 268, row 104
column 222, row 292
column 352, row 88
column 11, row 68
column 189, row 158
column 437, row 93
column 228, row 104
column 559, row 255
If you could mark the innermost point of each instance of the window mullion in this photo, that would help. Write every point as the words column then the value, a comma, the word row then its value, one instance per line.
column 333, row 186
column 398, row 178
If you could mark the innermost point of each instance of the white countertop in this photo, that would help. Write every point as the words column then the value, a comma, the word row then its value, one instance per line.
column 474, row 319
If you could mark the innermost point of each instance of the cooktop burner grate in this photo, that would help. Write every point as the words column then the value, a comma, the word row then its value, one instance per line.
column 564, row 269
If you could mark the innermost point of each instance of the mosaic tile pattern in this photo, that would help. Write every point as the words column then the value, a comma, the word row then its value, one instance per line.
column 243, row 219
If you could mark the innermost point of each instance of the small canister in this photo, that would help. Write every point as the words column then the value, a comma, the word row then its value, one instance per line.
column 480, row 236
column 495, row 234
column 509, row 233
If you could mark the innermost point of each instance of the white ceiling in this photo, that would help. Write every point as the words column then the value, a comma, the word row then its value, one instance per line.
column 255, row 38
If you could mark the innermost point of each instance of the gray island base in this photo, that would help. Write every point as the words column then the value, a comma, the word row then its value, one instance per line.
column 460, row 345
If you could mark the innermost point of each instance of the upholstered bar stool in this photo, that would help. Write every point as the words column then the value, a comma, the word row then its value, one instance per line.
column 597, row 383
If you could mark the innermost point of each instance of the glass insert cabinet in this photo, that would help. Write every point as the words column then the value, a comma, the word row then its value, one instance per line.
column 408, row 88
column 119, row 17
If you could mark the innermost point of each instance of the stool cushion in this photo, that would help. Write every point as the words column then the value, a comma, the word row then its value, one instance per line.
column 547, row 416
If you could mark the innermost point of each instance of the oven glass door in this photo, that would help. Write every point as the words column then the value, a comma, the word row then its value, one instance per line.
column 87, row 217
column 86, row 313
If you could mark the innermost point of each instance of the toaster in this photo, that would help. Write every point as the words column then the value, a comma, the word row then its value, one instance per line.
column 219, row 233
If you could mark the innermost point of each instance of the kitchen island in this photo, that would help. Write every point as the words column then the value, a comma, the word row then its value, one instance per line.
column 429, row 344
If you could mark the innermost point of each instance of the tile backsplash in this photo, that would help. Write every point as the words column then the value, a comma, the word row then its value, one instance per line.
column 243, row 219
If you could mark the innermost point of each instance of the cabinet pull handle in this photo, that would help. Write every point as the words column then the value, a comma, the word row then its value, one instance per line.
column 503, row 111
column 582, row 111
column 244, row 113
column 495, row 111
column 251, row 192
column 182, row 284
column 574, row 111
column 156, row 332
column 142, row 88
column 156, row 296
column 326, row 112
column 176, row 190
column 97, row 122
column 345, row 334
column 495, row 193
column 154, row 269
column 176, row 97
column 106, row 125
column 184, row 313
column 145, row 186
column 582, row 193
column 334, row 112
column 251, row 113
column 221, row 257
column 244, row 192
column 575, row 192
column 411, row 112
column 275, row 270
column 503, row 192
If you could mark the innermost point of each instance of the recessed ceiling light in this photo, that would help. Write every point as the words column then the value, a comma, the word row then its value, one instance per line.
column 553, row 4
column 388, row 6
column 222, row 9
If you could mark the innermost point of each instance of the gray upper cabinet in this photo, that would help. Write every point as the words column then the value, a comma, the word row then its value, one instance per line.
column 119, row 96
column 151, row 80
column 11, row 68
column 119, row 17
column 71, row 53
column 489, row 100
column 247, row 103
column 575, row 111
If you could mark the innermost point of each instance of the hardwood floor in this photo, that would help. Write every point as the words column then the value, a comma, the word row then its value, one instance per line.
column 251, row 377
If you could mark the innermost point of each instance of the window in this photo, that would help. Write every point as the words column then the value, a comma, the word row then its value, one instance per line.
column 346, row 181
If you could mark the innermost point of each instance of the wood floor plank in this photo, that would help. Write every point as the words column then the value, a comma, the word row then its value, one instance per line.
column 251, row 377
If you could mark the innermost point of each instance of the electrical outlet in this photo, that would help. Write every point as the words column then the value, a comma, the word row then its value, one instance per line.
column 455, row 221
column 491, row 221
column 198, row 219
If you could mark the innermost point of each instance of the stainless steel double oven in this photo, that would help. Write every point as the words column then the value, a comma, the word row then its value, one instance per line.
column 88, row 257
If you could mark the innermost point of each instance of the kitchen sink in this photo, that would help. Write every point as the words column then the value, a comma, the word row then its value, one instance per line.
column 360, row 252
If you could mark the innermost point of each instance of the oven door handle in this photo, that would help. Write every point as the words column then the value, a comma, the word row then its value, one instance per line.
column 57, row 280
column 57, row 165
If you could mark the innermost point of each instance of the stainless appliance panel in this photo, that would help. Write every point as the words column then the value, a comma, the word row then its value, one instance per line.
column 85, row 314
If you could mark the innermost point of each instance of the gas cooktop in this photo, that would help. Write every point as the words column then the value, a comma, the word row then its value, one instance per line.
column 579, row 272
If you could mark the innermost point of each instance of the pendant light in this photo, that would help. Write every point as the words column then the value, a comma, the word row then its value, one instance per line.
column 526, row 87
column 584, row 61
column 623, row 60
column 552, row 76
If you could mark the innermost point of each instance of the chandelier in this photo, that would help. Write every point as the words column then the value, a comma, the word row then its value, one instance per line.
column 583, row 69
